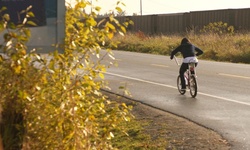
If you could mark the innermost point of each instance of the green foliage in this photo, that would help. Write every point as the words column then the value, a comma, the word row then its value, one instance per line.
column 57, row 96
column 218, row 28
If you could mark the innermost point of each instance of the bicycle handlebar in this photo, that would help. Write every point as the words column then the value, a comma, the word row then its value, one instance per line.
column 176, row 61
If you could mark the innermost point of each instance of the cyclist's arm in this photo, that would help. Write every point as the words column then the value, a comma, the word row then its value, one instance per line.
column 199, row 51
column 174, row 52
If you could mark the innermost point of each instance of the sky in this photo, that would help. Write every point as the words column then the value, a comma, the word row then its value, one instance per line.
column 150, row 7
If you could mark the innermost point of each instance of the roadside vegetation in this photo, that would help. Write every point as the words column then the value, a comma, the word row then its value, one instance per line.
column 55, row 101
column 219, row 41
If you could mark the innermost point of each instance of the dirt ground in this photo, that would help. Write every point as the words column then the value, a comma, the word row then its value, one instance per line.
column 180, row 133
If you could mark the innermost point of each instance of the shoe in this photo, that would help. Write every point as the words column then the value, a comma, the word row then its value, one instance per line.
column 183, row 90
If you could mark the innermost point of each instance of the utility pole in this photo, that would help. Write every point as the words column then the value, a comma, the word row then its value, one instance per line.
column 91, row 6
column 141, row 7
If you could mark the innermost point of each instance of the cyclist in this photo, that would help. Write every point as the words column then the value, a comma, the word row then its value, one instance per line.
column 189, row 53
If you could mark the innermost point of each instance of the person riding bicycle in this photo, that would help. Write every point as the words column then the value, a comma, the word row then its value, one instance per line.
column 189, row 53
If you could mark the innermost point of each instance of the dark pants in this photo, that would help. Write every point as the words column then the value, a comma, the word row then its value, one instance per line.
column 183, row 69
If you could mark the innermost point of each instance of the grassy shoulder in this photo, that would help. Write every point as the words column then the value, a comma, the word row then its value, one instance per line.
column 156, row 129
column 139, row 132
column 218, row 47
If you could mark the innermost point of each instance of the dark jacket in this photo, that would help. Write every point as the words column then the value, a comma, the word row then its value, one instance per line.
column 187, row 50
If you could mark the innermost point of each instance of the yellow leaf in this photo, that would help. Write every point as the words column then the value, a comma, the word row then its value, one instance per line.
column 92, row 117
column 118, row 9
column 17, row 69
column 124, row 105
column 6, row 17
column 110, row 35
column 101, row 75
column 110, row 26
column 31, row 23
column 3, row 9
column 123, row 29
column 44, row 79
column 80, row 5
column 91, row 22
column 30, row 14
column 103, row 69
column 97, row 8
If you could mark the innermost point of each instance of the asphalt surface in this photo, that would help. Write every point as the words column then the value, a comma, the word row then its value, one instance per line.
column 222, row 103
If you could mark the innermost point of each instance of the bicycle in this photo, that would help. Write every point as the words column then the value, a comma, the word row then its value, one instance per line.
column 190, row 79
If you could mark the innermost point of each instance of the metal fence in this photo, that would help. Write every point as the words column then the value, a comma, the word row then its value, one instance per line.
column 181, row 22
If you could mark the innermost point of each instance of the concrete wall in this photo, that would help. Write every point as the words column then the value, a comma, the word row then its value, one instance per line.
column 44, row 37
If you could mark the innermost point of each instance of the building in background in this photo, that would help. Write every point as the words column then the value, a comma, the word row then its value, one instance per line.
column 49, row 17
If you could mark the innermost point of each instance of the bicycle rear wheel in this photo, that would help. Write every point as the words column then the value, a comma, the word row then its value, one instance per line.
column 182, row 92
column 193, row 86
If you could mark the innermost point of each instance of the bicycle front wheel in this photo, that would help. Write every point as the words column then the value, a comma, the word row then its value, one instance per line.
column 193, row 86
column 182, row 92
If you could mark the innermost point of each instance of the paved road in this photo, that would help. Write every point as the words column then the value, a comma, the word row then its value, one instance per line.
column 222, row 103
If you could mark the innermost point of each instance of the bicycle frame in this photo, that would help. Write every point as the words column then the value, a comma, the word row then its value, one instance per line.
column 192, row 81
column 190, row 72
column 190, row 78
column 191, row 68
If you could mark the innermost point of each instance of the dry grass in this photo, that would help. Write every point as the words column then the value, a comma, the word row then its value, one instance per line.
column 227, row 47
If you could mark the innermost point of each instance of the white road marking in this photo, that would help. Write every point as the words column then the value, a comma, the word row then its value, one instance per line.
column 169, row 86
column 225, row 99
column 235, row 76
column 141, row 80
column 158, row 65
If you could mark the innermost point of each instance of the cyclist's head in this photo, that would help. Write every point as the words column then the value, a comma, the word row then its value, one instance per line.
column 184, row 41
